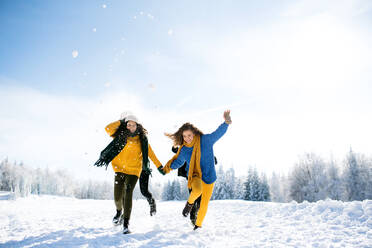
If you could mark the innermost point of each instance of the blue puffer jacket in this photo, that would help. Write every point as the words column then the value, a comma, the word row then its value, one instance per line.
column 207, row 157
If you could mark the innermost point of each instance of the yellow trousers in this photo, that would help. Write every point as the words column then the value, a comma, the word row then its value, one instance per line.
column 198, row 187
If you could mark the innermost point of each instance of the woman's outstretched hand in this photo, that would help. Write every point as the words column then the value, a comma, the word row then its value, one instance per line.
column 160, row 169
column 227, row 117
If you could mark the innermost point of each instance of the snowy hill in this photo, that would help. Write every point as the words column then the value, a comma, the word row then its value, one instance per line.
column 49, row 221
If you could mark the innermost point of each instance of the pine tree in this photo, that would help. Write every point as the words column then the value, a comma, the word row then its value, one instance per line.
column 264, row 189
column 276, row 188
column 354, row 176
column 239, row 189
column 176, row 190
column 219, row 184
column 184, row 190
column 255, row 186
column 229, row 186
column 247, row 186
column 335, row 184
column 167, row 192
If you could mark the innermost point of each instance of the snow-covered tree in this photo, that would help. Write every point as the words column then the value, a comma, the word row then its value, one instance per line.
column 335, row 187
column 23, row 180
column 230, row 181
column 219, row 185
column 184, row 190
column 356, row 177
column 247, row 185
column 225, row 184
column 276, row 188
column 239, row 188
column 176, row 190
column 255, row 186
column 167, row 194
column 308, row 179
column 264, row 189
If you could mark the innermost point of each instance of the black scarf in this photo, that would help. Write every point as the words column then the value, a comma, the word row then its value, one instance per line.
column 118, row 144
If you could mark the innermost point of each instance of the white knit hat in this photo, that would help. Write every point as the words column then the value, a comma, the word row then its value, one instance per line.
column 129, row 116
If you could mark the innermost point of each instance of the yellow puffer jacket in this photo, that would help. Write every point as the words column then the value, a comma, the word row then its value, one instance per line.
column 129, row 160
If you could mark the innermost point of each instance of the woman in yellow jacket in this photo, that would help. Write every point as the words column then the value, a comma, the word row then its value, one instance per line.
column 129, row 163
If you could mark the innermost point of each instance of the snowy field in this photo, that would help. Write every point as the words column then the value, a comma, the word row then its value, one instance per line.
column 49, row 221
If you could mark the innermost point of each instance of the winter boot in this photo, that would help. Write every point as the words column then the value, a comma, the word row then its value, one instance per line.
column 194, row 213
column 152, row 206
column 187, row 209
column 193, row 217
column 126, row 226
column 196, row 227
column 117, row 220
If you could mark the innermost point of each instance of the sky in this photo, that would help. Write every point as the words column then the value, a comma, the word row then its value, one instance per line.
column 296, row 75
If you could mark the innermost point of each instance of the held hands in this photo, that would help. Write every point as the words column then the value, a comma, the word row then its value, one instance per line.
column 160, row 169
column 227, row 117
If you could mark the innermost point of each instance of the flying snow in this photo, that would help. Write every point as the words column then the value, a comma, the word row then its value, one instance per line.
column 152, row 86
column 75, row 53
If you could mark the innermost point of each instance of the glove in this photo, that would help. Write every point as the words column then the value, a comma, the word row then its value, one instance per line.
column 227, row 117
column 174, row 149
column 160, row 169
column 166, row 169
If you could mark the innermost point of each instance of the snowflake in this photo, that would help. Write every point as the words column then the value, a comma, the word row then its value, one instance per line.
column 75, row 53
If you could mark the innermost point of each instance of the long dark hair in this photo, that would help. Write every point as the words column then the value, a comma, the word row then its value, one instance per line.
column 123, row 130
column 177, row 137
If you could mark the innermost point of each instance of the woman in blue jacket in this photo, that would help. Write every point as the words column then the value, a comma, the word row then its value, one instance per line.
column 196, row 149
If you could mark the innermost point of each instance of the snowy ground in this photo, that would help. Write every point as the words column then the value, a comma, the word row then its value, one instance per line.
column 50, row 221
column 5, row 195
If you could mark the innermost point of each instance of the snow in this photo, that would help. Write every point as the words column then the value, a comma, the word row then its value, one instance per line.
column 6, row 195
column 151, row 86
column 75, row 53
column 50, row 221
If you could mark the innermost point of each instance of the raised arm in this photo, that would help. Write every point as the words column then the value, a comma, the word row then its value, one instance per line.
column 221, row 130
column 112, row 127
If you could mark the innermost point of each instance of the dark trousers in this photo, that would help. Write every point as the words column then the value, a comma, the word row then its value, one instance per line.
column 123, row 192
column 144, row 185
